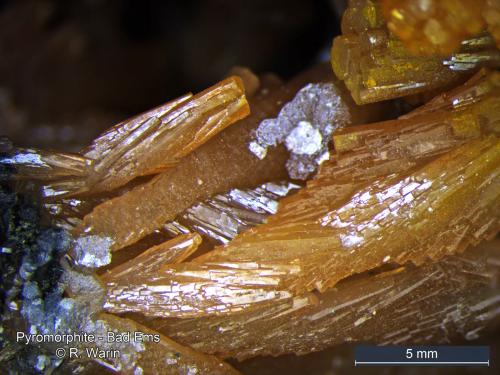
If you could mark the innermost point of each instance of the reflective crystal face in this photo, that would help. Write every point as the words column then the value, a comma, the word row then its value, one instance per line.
column 188, row 223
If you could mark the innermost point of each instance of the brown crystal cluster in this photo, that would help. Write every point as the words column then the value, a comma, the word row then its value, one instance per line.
column 422, row 188
column 412, row 305
column 118, row 156
column 378, row 246
column 375, row 65
column 158, row 139
column 428, row 188
column 428, row 27
column 220, row 165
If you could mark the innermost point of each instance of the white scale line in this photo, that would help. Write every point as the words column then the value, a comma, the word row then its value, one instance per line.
column 420, row 363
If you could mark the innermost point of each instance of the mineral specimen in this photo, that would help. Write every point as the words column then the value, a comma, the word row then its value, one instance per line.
column 67, row 212
column 320, row 245
column 152, row 260
column 445, row 198
column 220, row 165
column 131, row 348
column 149, row 352
column 92, row 251
column 37, row 164
column 168, row 133
column 456, row 298
column 376, row 66
column 372, row 248
column 457, row 116
column 224, row 216
column 433, row 26
column 60, row 173
column 30, row 276
column 47, row 312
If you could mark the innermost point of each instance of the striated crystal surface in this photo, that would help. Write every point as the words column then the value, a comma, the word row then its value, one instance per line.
column 152, row 260
column 121, row 345
column 436, row 210
column 222, row 164
column 54, row 191
column 188, row 289
column 375, row 65
column 483, row 87
column 429, row 26
column 456, row 298
column 60, row 173
column 31, row 163
column 158, row 139
column 148, row 352
column 433, row 203
column 222, row 217
column 371, row 249
column 445, row 122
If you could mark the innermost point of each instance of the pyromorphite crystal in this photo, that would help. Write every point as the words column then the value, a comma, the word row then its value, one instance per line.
column 411, row 189
column 220, row 165
column 146, row 144
column 456, row 298
column 448, row 120
column 411, row 216
column 370, row 249
column 376, row 66
column 135, row 349
column 152, row 260
column 435, row 210
column 224, row 216
column 60, row 173
column 159, row 138
column 428, row 26
column 44, row 165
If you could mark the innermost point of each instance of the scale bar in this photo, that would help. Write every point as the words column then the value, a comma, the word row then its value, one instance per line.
column 356, row 363
column 437, row 355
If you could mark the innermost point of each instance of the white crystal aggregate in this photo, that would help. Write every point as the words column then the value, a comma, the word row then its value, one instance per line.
column 304, row 125
column 92, row 251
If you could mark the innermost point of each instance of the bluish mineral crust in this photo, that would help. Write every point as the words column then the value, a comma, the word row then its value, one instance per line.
column 31, row 277
column 34, row 274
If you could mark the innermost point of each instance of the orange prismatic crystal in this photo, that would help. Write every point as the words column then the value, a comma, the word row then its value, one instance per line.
column 428, row 26
column 158, row 139
column 152, row 260
column 44, row 165
column 376, row 66
column 147, row 351
column 220, row 165
column 454, row 298
column 447, row 121
column 332, row 232
column 146, row 144
column 420, row 199
column 60, row 173
column 197, row 231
